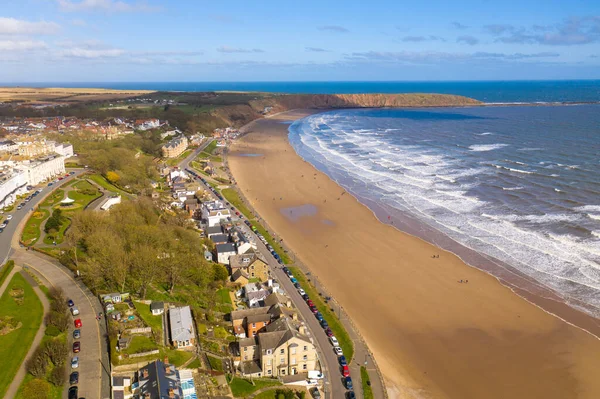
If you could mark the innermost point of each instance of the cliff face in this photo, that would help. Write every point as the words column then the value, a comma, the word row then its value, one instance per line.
column 238, row 115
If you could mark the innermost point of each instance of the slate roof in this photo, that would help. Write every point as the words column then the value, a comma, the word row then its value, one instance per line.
column 181, row 324
column 160, row 379
column 228, row 247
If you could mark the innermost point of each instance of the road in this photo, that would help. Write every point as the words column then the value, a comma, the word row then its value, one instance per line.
column 94, row 367
column 333, row 377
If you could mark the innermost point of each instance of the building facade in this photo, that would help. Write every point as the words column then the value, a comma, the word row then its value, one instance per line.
column 175, row 147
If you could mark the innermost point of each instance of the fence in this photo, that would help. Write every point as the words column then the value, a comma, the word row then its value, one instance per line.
column 153, row 352
column 140, row 330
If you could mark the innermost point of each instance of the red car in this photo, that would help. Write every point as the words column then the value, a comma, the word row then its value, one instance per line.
column 60, row 178
column 314, row 309
column 310, row 303
column 345, row 371
column 78, row 323
column 77, row 347
column 329, row 332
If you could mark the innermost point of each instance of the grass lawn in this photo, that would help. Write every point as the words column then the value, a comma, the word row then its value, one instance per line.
column 14, row 345
column 334, row 323
column 6, row 271
column 53, row 199
column 223, row 296
column 175, row 161
column 242, row 388
column 210, row 148
column 102, row 182
column 195, row 364
column 33, row 228
column 140, row 343
column 364, row 376
column 154, row 322
column 177, row 358
column 59, row 236
column 215, row 363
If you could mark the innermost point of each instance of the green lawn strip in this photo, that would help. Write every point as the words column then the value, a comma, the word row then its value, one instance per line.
column 15, row 344
column 53, row 199
column 154, row 322
column 33, row 228
column 210, row 148
column 84, row 185
column 5, row 271
column 177, row 358
column 139, row 344
column 181, row 157
column 102, row 182
column 215, row 363
column 223, row 296
column 195, row 364
column 242, row 388
column 334, row 323
column 364, row 376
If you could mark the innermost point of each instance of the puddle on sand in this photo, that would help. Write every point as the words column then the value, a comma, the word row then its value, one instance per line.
column 328, row 222
column 249, row 155
column 296, row 212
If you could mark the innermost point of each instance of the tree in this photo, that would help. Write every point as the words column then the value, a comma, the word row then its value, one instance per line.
column 58, row 376
column 36, row 389
column 112, row 177
column 54, row 222
column 57, row 351
column 220, row 272
column 58, row 319
column 37, row 364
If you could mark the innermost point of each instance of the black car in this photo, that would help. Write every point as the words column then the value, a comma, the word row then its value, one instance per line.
column 297, row 285
column 74, row 378
column 351, row 395
column 73, row 391
column 305, row 297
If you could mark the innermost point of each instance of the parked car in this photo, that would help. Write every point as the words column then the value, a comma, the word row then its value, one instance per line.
column 309, row 302
column 301, row 291
column 345, row 371
column 342, row 360
column 319, row 316
column 76, row 347
column 305, row 297
column 75, row 362
column 70, row 303
column 334, row 341
column 71, row 173
column 3, row 225
column 338, row 351
column 8, row 217
column 76, row 334
column 77, row 323
column 328, row 332
column 74, row 311
column 350, row 395
column 314, row 309
column 315, row 393
column 49, row 184
column 324, row 323
column 74, row 378
column 297, row 285
column 348, row 382
column 73, row 393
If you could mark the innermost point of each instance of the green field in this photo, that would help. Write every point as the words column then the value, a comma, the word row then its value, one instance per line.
column 242, row 388
column 364, row 376
column 154, row 322
column 5, row 271
column 33, row 227
column 27, row 310
column 334, row 323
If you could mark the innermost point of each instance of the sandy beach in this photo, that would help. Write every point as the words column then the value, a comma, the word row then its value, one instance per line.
column 432, row 336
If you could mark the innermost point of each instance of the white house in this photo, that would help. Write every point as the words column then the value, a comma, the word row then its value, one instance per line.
column 224, row 251
column 213, row 212
column 66, row 150
column 157, row 308
column 38, row 171
column 15, row 184
column 181, row 326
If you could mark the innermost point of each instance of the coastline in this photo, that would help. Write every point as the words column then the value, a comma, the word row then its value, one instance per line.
column 449, row 340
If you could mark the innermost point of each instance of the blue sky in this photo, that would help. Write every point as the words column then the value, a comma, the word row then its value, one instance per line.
column 180, row 40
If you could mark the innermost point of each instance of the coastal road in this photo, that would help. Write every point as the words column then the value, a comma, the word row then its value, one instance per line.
column 333, row 384
column 94, row 367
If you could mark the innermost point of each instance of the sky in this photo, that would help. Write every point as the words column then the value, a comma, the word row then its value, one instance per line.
column 326, row 40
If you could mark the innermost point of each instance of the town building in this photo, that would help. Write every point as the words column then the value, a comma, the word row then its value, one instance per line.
column 224, row 251
column 251, row 264
column 175, row 147
column 43, row 169
column 160, row 380
column 181, row 325
column 213, row 212
column 157, row 308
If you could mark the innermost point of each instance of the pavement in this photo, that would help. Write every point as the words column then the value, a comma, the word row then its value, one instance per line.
column 94, row 365
column 332, row 384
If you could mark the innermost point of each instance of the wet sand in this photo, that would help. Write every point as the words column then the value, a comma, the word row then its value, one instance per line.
column 431, row 335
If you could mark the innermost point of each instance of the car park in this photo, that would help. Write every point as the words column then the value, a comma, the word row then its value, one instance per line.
column 345, row 371
column 348, row 382
column 76, row 334
column 338, row 351
column 77, row 323
column 74, row 378
column 73, row 393
column 76, row 347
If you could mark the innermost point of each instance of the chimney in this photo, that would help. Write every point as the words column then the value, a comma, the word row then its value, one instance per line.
column 302, row 329
column 166, row 360
column 145, row 373
column 171, row 393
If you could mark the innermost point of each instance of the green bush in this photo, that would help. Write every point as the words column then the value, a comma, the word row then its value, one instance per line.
column 52, row 331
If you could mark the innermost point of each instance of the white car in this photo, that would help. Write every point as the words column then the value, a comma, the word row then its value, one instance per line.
column 8, row 217
column 3, row 225
column 338, row 351
column 334, row 341
column 75, row 362
column 301, row 291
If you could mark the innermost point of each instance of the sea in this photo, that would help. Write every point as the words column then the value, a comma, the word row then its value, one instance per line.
column 486, row 91
column 518, row 184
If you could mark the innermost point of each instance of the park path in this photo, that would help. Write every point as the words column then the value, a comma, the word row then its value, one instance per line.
column 22, row 372
column 8, row 278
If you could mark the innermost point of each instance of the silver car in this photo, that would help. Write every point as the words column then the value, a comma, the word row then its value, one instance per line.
column 75, row 362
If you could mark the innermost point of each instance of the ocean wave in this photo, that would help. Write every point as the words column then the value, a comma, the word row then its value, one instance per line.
column 486, row 147
column 530, row 149
column 513, row 169
column 512, row 188
column 485, row 134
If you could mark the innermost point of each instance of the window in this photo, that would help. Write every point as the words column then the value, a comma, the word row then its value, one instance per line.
column 282, row 351
column 269, row 352
column 304, row 367
column 304, row 357
column 282, row 360
column 269, row 372
column 268, row 362
column 253, row 325
column 283, row 372
column 293, row 351
column 305, row 348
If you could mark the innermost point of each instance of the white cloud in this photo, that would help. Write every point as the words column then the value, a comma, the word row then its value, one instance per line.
column 227, row 49
column 79, row 52
column 12, row 26
column 106, row 5
column 78, row 22
column 21, row 45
